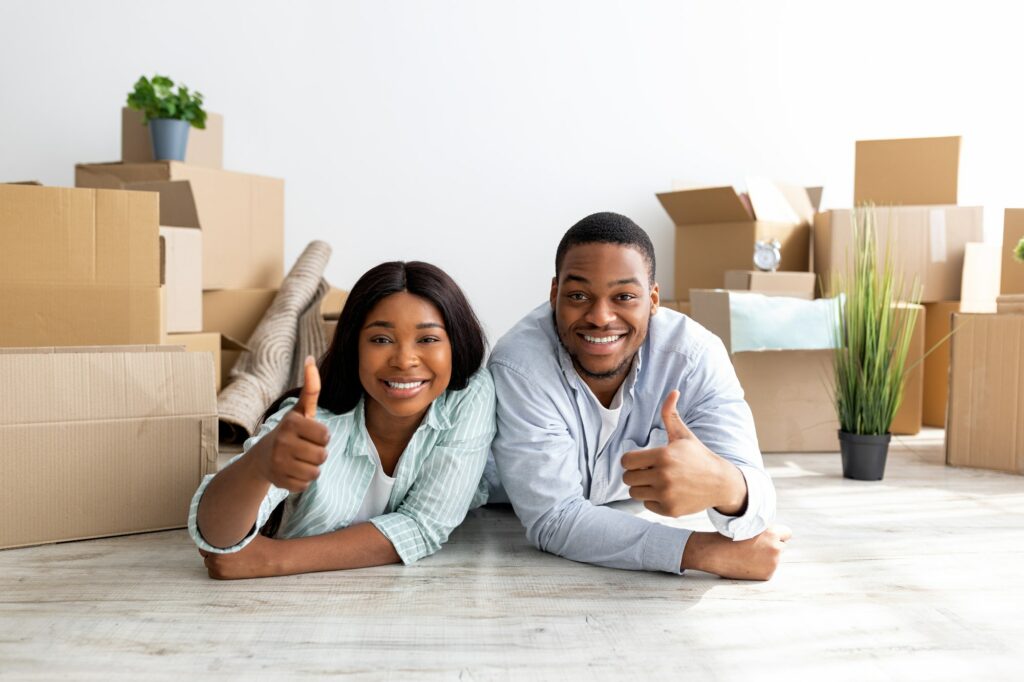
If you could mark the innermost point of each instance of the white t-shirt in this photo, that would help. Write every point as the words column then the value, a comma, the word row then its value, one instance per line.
column 379, row 492
column 609, row 419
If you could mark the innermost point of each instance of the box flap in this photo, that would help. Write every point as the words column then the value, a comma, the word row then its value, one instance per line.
column 915, row 171
column 979, row 287
column 105, row 384
column 814, row 195
column 779, row 201
column 706, row 205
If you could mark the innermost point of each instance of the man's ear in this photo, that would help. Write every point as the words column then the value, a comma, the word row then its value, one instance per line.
column 554, row 292
column 655, row 299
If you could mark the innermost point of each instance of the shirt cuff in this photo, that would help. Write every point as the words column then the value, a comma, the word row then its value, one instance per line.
column 404, row 534
column 663, row 548
column 757, row 515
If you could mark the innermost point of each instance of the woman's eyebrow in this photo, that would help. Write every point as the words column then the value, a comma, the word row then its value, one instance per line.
column 429, row 325
column 380, row 323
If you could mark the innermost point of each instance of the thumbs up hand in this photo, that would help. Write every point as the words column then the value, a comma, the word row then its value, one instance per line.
column 290, row 456
column 684, row 476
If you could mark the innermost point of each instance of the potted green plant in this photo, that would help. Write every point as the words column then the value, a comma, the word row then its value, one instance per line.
column 873, row 328
column 168, row 113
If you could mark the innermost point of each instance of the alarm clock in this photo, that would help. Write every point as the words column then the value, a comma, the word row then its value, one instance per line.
column 767, row 255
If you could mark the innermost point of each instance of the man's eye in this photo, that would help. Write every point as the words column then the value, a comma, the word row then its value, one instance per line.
column 625, row 297
column 576, row 296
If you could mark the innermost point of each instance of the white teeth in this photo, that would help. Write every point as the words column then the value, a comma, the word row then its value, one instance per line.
column 602, row 339
column 402, row 387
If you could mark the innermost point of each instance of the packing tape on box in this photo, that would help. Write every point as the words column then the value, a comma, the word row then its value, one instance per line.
column 937, row 227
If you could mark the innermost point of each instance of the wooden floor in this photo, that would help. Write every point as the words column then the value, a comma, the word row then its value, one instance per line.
column 920, row 576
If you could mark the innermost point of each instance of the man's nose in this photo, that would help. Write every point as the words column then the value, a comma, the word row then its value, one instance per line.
column 600, row 313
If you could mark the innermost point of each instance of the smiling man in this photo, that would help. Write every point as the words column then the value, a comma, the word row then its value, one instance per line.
column 603, row 396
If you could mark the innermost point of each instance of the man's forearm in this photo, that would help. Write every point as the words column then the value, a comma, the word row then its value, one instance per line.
column 733, row 491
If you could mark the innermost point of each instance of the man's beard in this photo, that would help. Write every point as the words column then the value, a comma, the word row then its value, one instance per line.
column 600, row 376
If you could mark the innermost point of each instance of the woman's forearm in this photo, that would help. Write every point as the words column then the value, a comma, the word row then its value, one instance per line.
column 231, row 502
column 357, row 546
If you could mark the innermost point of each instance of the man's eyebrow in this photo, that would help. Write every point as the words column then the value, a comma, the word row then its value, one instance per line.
column 577, row 278
column 628, row 280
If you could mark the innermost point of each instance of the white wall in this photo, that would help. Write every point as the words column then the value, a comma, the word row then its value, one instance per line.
column 473, row 134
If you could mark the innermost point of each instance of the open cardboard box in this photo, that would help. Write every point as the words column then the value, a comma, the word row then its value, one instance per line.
column 788, row 390
column 986, row 392
column 716, row 229
column 79, row 267
column 241, row 215
column 792, row 284
column 102, row 441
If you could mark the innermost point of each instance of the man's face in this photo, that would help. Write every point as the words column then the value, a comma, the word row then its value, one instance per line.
column 603, row 303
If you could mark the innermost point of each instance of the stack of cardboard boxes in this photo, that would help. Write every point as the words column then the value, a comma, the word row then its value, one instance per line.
column 223, row 236
column 985, row 416
column 913, row 184
column 109, row 425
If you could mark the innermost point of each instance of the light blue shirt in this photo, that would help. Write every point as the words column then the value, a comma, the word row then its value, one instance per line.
column 437, row 479
column 557, row 485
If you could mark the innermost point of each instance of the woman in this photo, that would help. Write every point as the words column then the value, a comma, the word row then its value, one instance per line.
column 380, row 463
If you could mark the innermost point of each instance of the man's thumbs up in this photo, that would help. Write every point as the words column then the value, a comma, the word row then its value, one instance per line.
column 674, row 425
column 310, row 389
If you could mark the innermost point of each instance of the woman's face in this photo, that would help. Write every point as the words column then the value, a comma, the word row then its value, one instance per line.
column 405, row 357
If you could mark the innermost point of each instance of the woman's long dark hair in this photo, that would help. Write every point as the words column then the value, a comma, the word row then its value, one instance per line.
column 339, row 368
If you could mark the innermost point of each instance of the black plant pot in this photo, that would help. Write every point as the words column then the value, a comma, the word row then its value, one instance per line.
column 863, row 456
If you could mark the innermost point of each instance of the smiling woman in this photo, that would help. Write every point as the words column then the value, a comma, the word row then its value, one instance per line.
column 378, row 457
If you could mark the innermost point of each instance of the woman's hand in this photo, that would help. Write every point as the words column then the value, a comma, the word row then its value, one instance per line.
column 290, row 456
column 261, row 558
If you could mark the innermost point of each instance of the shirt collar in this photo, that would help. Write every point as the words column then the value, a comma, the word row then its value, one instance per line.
column 436, row 418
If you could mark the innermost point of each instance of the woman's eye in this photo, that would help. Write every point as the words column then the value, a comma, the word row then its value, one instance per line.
column 380, row 339
column 429, row 339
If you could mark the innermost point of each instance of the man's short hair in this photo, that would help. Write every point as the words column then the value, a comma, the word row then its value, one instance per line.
column 607, row 228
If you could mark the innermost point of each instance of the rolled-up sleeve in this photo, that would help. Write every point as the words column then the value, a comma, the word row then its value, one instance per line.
column 720, row 417
column 537, row 461
column 273, row 498
column 449, row 478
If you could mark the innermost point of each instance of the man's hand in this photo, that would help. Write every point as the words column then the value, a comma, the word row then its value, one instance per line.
column 261, row 558
column 291, row 455
column 753, row 559
column 684, row 476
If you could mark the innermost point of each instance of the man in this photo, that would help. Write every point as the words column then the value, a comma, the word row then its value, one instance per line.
column 603, row 396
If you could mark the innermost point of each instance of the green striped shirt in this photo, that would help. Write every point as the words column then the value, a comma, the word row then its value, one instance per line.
column 437, row 480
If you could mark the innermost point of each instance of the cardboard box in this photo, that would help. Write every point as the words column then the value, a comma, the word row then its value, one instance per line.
column 202, row 342
column 330, row 327
column 788, row 390
column 102, row 441
column 792, row 284
column 1012, row 269
column 78, row 267
column 1010, row 303
column 912, row 172
column 986, row 392
column 332, row 303
column 234, row 313
column 909, row 417
column 716, row 229
column 927, row 242
column 241, row 215
column 205, row 147
column 182, row 276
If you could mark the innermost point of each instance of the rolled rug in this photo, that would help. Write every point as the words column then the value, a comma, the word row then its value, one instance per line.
column 265, row 371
